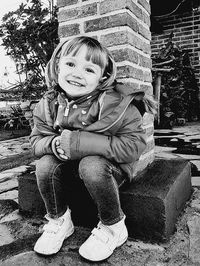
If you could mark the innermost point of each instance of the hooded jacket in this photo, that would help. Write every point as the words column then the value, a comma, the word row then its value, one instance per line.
column 108, row 125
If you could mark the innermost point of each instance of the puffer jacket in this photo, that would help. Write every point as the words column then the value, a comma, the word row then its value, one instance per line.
column 109, row 126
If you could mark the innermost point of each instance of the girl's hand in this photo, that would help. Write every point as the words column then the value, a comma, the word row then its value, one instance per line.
column 59, row 151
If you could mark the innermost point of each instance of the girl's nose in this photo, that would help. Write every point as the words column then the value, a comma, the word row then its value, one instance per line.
column 77, row 72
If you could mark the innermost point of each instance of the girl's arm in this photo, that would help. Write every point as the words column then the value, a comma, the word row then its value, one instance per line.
column 125, row 147
column 42, row 133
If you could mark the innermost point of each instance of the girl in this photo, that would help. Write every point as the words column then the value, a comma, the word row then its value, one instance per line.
column 85, row 122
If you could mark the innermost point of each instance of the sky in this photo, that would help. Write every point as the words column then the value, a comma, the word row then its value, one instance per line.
column 6, row 6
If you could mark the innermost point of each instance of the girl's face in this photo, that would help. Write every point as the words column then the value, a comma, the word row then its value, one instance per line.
column 76, row 75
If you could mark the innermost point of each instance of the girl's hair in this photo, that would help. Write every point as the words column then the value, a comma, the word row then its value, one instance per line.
column 95, row 52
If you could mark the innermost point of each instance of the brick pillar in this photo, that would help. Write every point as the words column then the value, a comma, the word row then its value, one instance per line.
column 123, row 27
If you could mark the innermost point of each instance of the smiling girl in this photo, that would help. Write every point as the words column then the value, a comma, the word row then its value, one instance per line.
column 86, row 127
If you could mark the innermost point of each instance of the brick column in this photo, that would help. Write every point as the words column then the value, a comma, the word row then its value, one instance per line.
column 123, row 27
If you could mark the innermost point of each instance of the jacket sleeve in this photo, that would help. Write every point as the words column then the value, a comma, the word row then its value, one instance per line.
column 42, row 133
column 125, row 146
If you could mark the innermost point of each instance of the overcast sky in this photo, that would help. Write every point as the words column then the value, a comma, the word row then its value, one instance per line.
column 6, row 6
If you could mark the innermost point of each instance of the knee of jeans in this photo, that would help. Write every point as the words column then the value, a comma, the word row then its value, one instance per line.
column 92, row 168
column 44, row 167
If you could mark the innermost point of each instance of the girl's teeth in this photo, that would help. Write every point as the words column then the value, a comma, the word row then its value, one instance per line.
column 75, row 83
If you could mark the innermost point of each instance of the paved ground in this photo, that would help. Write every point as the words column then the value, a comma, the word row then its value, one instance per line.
column 18, row 233
column 181, row 142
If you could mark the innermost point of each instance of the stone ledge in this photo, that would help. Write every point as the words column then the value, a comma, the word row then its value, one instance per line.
column 151, row 204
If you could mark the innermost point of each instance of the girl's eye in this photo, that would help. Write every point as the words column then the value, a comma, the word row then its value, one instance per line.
column 70, row 64
column 90, row 70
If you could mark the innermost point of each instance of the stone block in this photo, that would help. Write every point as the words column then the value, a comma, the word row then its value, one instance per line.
column 29, row 198
column 6, row 237
column 152, row 203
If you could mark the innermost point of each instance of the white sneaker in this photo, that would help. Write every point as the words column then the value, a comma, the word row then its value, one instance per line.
column 55, row 232
column 103, row 241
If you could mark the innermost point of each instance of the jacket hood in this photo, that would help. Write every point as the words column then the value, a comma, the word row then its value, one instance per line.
column 143, row 101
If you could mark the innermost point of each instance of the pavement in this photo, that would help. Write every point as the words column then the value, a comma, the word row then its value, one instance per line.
column 19, row 233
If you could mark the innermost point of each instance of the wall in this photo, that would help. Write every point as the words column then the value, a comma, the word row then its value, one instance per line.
column 186, row 29
column 122, row 26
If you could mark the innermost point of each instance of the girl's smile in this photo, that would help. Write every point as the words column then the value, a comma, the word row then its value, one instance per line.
column 78, row 76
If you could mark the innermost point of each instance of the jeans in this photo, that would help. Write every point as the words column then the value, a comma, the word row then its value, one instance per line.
column 101, row 177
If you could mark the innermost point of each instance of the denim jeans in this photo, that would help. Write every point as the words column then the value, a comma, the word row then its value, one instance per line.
column 101, row 177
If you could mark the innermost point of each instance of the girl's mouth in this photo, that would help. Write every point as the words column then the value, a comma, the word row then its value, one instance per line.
column 71, row 82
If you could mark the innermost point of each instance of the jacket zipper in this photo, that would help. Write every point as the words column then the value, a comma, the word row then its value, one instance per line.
column 67, row 107
column 66, row 110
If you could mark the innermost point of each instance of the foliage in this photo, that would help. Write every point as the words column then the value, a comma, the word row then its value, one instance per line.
column 179, row 91
column 29, row 36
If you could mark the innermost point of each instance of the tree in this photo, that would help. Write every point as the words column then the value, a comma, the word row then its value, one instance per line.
column 29, row 36
column 179, row 93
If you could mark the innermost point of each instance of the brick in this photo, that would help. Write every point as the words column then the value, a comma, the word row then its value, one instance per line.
column 134, row 86
column 145, row 5
column 144, row 32
column 146, row 19
column 111, row 5
column 62, row 3
column 114, row 38
column 187, row 28
column 123, row 19
column 144, row 61
column 125, row 54
column 68, row 30
column 130, row 72
column 125, row 37
column 185, row 33
column 147, row 76
column 78, row 12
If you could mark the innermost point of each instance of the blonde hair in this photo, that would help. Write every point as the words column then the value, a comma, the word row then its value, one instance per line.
column 95, row 52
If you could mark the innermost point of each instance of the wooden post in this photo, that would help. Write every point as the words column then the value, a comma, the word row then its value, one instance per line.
column 157, row 93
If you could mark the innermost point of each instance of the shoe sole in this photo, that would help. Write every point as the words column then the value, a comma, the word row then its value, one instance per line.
column 118, row 245
column 70, row 233
column 122, row 241
column 58, row 247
